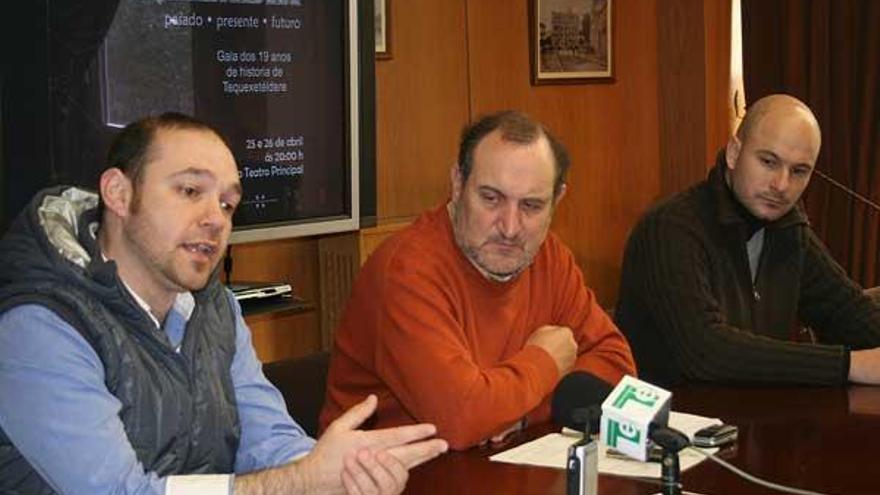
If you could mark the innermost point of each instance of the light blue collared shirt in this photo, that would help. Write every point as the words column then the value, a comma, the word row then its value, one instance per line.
column 56, row 410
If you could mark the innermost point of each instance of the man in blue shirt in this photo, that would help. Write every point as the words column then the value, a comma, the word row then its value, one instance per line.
column 126, row 367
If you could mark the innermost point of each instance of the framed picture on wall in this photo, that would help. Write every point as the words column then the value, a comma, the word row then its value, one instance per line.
column 382, row 26
column 571, row 41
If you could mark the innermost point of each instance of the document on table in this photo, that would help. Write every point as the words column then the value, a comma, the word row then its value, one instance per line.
column 552, row 450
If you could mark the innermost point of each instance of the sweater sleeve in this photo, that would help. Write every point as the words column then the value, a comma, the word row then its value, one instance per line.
column 602, row 349
column 667, row 273
column 422, row 355
column 833, row 305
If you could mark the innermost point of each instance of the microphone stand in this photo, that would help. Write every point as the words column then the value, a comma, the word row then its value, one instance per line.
column 670, row 473
column 874, row 206
column 672, row 442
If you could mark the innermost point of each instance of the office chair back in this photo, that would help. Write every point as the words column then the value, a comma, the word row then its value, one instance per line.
column 302, row 381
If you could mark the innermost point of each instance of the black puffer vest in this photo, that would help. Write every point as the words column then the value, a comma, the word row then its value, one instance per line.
column 178, row 409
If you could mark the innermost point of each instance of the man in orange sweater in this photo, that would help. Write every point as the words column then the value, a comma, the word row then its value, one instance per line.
column 469, row 317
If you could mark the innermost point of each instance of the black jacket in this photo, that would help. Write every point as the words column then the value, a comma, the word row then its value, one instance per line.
column 690, row 311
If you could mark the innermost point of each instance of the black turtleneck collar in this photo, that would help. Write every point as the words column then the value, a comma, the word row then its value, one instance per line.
column 753, row 223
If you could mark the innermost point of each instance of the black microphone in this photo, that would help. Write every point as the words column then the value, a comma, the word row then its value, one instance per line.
column 578, row 396
column 668, row 438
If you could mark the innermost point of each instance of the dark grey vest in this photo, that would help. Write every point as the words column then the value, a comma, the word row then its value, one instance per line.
column 178, row 409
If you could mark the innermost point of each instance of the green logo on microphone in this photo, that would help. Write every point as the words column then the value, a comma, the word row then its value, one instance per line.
column 618, row 431
column 643, row 396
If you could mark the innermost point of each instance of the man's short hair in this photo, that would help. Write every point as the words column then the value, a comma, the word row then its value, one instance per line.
column 515, row 127
column 130, row 150
column 754, row 114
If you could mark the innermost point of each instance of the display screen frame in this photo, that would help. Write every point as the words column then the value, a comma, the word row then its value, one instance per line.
column 328, row 225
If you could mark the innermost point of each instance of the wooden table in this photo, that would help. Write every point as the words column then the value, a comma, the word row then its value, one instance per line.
column 820, row 439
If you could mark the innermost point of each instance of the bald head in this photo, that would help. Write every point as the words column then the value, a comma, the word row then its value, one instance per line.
column 772, row 155
column 777, row 105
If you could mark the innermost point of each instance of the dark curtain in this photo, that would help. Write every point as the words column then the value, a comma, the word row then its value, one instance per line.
column 827, row 53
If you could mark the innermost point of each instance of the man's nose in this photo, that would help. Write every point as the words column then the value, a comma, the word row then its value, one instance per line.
column 781, row 180
column 510, row 222
column 213, row 215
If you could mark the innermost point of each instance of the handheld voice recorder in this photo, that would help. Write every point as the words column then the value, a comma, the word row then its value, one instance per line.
column 583, row 467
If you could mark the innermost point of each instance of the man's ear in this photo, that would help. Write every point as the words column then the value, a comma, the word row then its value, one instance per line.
column 455, row 181
column 562, row 190
column 731, row 153
column 116, row 191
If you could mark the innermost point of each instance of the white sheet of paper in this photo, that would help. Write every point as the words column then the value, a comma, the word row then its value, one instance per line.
column 199, row 484
column 552, row 450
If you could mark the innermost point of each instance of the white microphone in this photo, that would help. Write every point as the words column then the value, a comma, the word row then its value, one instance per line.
column 629, row 413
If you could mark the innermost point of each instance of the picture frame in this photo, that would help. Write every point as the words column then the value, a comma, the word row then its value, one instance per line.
column 382, row 26
column 571, row 41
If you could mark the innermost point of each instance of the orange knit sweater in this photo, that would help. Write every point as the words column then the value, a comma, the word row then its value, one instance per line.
column 438, row 342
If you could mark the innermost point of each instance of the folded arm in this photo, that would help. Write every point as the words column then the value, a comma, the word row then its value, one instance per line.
column 839, row 311
column 667, row 275
column 425, row 355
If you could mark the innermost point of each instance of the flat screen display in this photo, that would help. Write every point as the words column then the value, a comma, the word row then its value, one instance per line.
column 277, row 78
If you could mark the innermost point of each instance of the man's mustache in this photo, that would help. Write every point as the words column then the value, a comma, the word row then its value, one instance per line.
column 504, row 241
column 774, row 198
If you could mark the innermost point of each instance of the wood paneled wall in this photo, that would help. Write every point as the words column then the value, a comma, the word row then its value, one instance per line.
column 610, row 128
column 457, row 59
column 716, row 54
column 421, row 105
column 694, row 58
column 296, row 262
